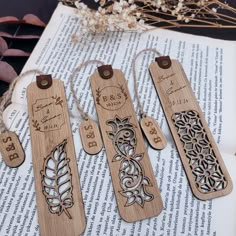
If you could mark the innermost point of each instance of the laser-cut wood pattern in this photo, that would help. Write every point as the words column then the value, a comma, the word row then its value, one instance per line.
column 136, row 191
column 202, row 160
column 57, row 181
column 203, row 164
column 132, row 175
column 60, row 211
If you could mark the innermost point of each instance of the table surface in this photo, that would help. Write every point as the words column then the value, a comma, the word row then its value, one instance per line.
column 44, row 9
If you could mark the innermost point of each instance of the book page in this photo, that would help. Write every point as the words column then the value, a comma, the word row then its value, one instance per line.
column 209, row 66
column 207, row 63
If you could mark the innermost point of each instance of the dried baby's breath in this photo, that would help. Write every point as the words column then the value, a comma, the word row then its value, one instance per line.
column 75, row 38
column 130, row 14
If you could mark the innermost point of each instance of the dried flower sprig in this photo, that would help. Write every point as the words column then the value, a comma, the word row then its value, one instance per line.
column 117, row 17
column 132, row 15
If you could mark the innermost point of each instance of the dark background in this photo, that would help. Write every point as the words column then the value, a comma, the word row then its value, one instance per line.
column 44, row 9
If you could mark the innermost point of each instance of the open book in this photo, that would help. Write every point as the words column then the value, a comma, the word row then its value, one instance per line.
column 210, row 67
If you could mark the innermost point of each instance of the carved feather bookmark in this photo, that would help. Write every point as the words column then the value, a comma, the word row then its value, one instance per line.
column 137, row 194
column 204, row 166
column 59, row 201
column 56, row 168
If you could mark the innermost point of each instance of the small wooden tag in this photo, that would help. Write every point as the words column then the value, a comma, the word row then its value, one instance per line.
column 203, row 164
column 90, row 137
column 153, row 133
column 11, row 149
column 59, row 201
column 137, row 194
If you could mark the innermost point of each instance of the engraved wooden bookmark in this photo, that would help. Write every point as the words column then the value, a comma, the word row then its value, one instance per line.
column 136, row 191
column 153, row 133
column 149, row 125
column 11, row 149
column 90, row 137
column 89, row 131
column 204, row 166
column 59, row 201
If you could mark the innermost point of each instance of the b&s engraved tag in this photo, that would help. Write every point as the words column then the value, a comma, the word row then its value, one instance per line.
column 90, row 137
column 11, row 149
column 59, row 201
column 137, row 194
column 153, row 133
column 203, row 164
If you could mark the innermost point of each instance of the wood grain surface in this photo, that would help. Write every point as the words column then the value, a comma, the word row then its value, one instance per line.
column 136, row 191
column 202, row 161
column 11, row 149
column 90, row 137
column 153, row 133
column 59, row 200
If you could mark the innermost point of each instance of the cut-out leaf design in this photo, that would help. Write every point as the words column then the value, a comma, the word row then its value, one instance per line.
column 110, row 134
column 57, row 181
column 7, row 73
column 117, row 157
column 138, row 157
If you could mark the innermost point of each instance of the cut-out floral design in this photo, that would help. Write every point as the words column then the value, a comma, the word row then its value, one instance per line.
column 131, row 174
column 202, row 160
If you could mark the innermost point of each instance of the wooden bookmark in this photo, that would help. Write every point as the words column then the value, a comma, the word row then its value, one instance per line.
column 90, row 137
column 10, row 146
column 204, row 166
column 149, row 125
column 153, row 133
column 11, row 149
column 89, row 131
column 59, row 201
column 137, row 194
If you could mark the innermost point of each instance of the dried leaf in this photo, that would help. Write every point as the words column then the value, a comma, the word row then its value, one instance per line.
column 27, row 19
column 30, row 36
column 3, row 46
column 33, row 20
column 4, row 34
column 7, row 35
column 9, row 20
column 7, row 73
column 16, row 53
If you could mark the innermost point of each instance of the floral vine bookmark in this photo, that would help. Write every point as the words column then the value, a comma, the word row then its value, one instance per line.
column 59, row 201
column 137, row 194
column 204, row 166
